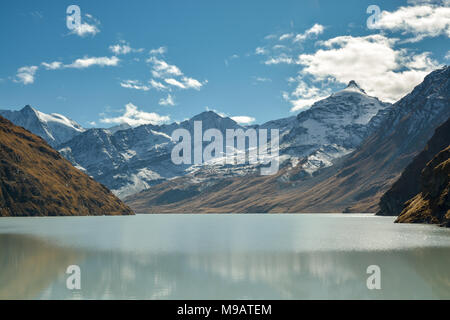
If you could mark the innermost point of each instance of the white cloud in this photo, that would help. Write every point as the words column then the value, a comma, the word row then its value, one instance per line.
column 192, row 83
column 286, row 36
column 162, row 69
column 280, row 59
column 134, row 84
column 260, row 51
column 315, row 30
column 185, row 83
column 26, row 74
column 135, row 117
column 88, row 27
column 244, row 120
column 372, row 61
column 304, row 96
column 447, row 56
column 157, row 85
column 421, row 21
column 52, row 65
column 175, row 83
column 160, row 50
column 223, row 115
column 169, row 101
column 87, row 62
column 262, row 79
column 123, row 48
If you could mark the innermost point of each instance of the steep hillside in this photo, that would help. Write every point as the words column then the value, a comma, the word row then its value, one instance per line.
column 36, row 181
column 432, row 204
column 408, row 185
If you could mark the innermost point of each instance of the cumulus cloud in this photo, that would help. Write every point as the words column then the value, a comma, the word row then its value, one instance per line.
column 372, row 61
column 421, row 21
column 315, row 30
column 89, row 26
column 26, row 74
column 169, row 101
column 135, row 117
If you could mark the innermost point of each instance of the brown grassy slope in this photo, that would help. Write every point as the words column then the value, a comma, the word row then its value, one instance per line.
column 432, row 204
column 36, row 181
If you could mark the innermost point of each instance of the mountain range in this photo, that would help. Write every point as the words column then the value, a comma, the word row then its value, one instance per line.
column 354, row 183
column 131, row 159
column 342, row 154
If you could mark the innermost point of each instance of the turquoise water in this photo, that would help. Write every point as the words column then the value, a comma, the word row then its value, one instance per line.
column 312, row 256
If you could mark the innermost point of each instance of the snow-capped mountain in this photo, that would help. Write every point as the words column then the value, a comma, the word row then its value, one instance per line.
column 331, row 128
column 355, row 183
column 131, row 160
column 54, row 128
column 128, row 160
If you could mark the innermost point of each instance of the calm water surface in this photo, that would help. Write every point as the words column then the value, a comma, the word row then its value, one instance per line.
column 223, row 257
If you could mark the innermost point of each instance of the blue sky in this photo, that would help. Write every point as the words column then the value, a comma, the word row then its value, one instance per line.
column 163, row 61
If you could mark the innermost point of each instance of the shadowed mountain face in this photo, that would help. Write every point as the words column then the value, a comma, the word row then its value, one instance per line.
column 408, row 185
column 432, row 204
column 36, row 181
column 353, row 184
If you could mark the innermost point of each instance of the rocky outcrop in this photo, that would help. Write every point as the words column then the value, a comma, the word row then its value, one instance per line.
column 408, row 185
column 432, row 204
column 36, row 180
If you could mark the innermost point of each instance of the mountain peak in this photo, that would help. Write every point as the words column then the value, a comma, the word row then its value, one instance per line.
column 352, row 85
column 207, row 115
column 28, row 109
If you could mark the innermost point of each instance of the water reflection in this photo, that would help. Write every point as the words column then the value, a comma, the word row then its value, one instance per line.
column 35, row 268
column 27, row 265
